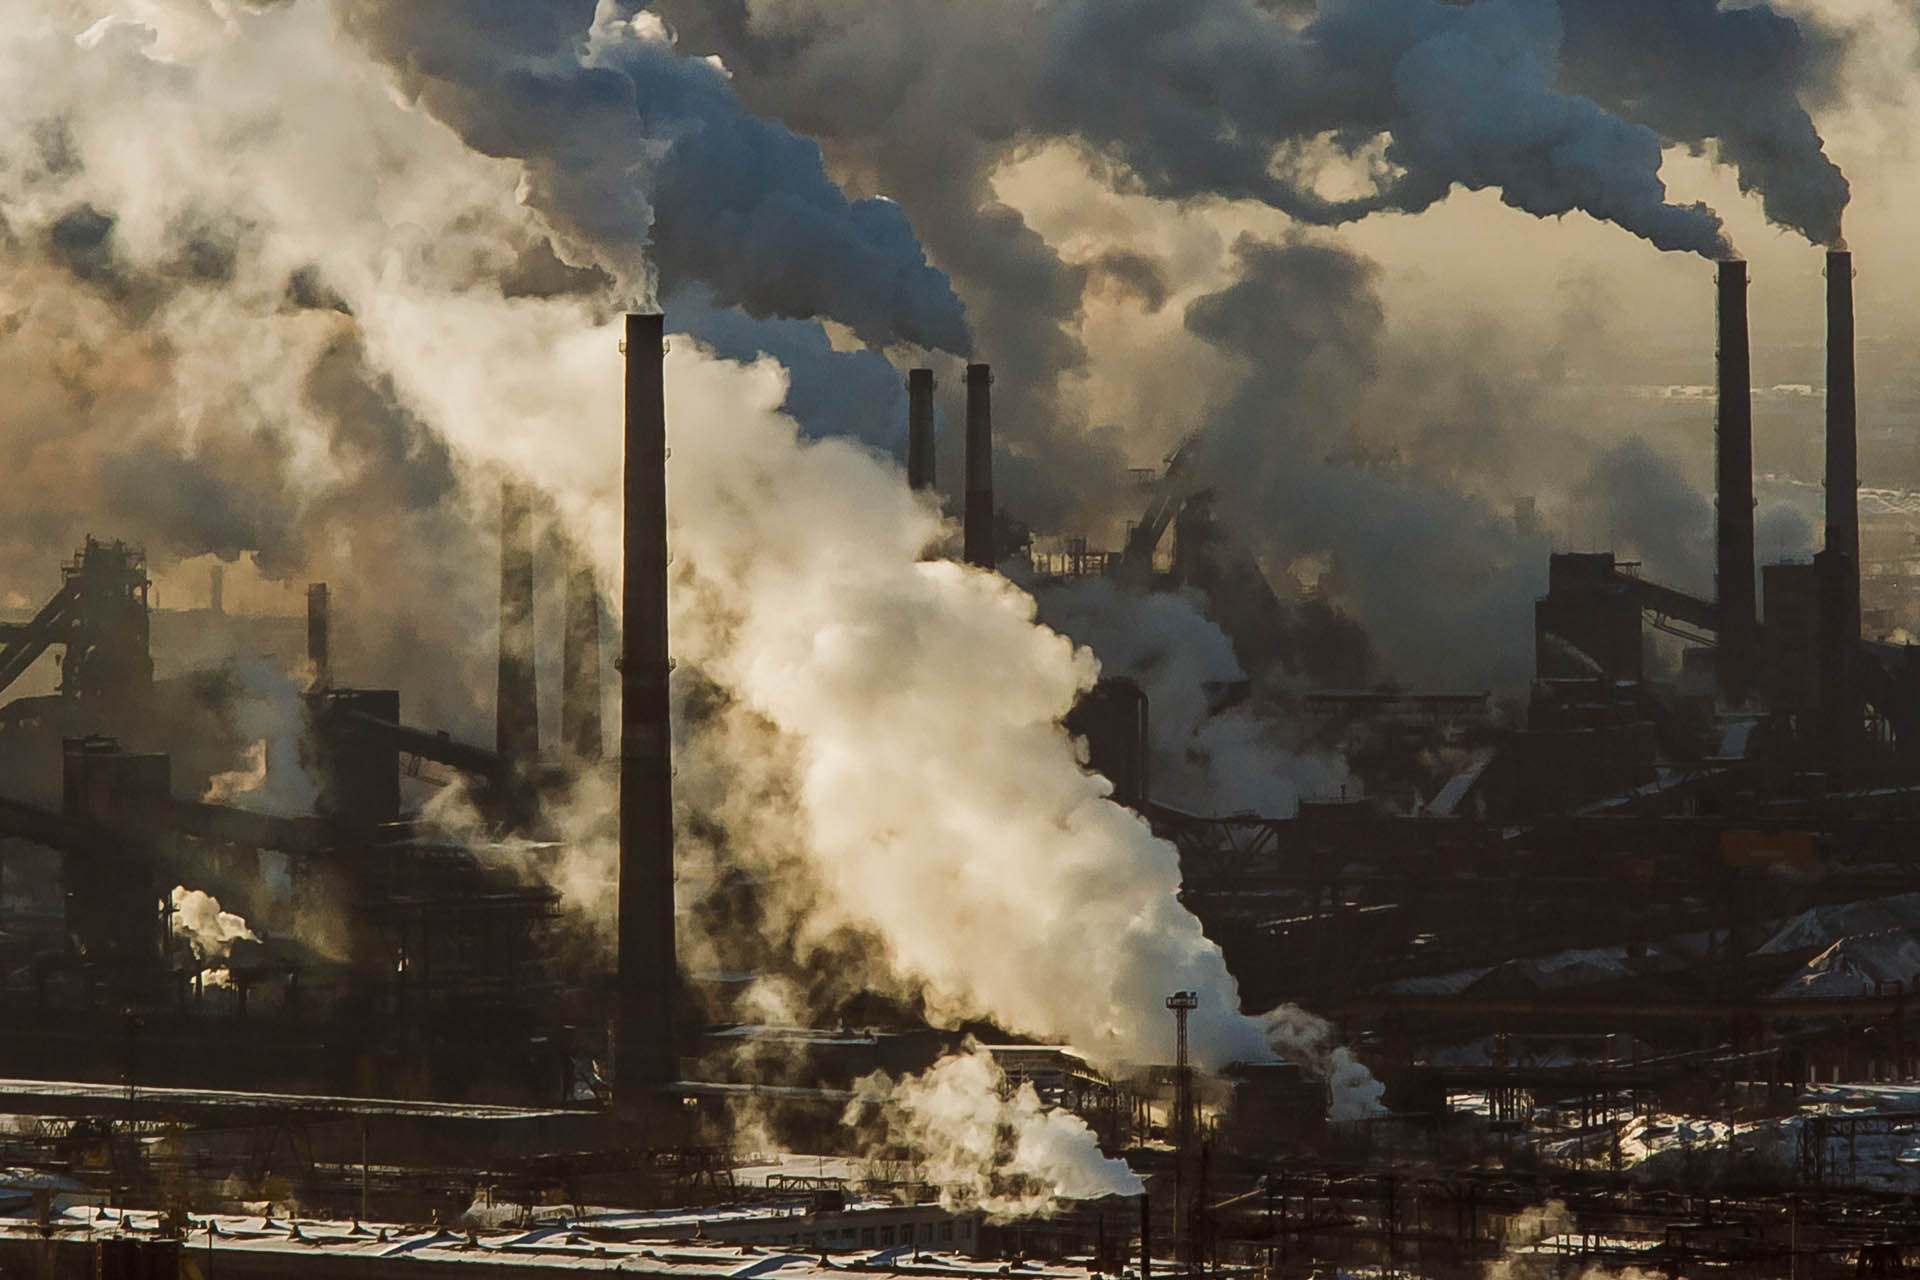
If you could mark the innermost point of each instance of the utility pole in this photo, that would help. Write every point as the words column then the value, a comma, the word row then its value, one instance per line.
column 1182, row 1003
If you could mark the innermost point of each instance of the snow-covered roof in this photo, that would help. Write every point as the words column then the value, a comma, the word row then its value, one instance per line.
column 1857, row 966
column 1824, row 926
column 307, row 1246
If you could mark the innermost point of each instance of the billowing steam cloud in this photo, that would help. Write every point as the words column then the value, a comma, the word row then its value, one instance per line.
column 1353, row 1092
column 210, row 931
column 1002, row 1153
column 910, row 710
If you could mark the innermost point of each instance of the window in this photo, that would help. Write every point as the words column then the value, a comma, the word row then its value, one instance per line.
column 886, row 1236
column 866, row 1236
column 946, row 1230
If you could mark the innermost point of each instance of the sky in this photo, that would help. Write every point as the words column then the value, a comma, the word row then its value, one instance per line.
column 1120, row 216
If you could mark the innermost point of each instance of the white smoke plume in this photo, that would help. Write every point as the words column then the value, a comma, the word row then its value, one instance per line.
column 1353, row 1092
column 1202, row 761
column 209, row 930
column 890, row 730
column 930, row 787
column 985, row 1146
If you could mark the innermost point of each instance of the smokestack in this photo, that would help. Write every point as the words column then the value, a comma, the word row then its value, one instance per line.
column 920, row 428
column 979, row 505
column 580, row 666
column 1739, row 631
column 1843, row 448
column 517, row 704
column 1146, row 1237
column 217, row 589
column 317, row 654
column 647, row 1059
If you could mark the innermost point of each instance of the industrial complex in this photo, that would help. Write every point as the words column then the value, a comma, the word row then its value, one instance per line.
column 1621, row 980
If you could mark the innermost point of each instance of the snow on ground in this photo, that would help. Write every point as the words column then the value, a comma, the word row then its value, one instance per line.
column 1883, row 1156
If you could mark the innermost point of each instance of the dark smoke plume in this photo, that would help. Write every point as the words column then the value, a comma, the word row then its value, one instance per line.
column 1679, row 65
column 1435, row 573
column 1326, row 112
column 1200, row 98
column 627, row 144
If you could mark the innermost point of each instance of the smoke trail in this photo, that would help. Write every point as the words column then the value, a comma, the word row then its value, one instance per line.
column 1676, row 65
column 1463, row 95
column 1228, row 97
column 628, row 146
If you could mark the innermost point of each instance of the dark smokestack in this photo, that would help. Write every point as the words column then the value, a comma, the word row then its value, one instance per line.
column 1146, row 1237
column 646, row 1057
column 517, row 705
column 920, row 428
column 580, row 666
column 979, row 504
column 1843, row 447
column 1739, row 631
column 317, row 648
column 1834, row 644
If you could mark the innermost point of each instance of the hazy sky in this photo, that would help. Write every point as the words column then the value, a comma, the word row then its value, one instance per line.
column 1468, row 356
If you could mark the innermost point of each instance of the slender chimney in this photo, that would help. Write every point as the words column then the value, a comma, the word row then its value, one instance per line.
column 646, row 1056
column 920, row 428
column 1739, row 630
column 317, row 647
column 517, row 705
column 1146, row 1237
column 580, row 666
column 979, row 504
column 1843, row 447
